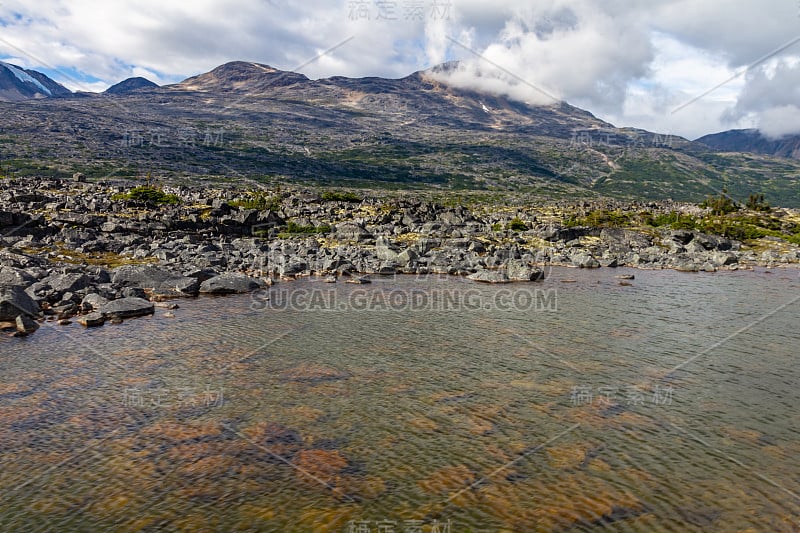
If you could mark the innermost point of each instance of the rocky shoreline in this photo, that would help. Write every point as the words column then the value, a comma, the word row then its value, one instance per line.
column 94, row 252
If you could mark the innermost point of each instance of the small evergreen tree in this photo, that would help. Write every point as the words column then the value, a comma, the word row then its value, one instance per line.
column 756, row 202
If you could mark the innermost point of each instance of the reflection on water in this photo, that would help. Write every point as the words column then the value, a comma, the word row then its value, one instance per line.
column 667, row 405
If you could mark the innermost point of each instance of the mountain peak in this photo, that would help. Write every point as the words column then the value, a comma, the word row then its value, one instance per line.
column 241, row 76
column 131, row 85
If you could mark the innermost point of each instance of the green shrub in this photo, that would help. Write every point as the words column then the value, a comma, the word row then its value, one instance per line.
column 334, row 196
column 517, row 224
column 149, row 194
column 293, row 229
column 720, row 205
column 673, row 219
column 756, row 202
column 259, row 201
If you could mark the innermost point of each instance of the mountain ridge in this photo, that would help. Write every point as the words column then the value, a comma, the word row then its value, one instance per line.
column 753, row 141
column 245, row 120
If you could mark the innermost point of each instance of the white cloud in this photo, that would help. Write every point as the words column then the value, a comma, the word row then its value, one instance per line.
column 777, row 122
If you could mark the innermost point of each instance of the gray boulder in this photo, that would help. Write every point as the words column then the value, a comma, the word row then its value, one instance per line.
column 15, row 276
column 128, row 308
column 152, row 277
column 350, row 232
column 14, row 301
column 407, row 257
column 26, row 325
column 93, row 302
column 489, row 276
column 293, row 268
column 384, row 250
column 231, row 283
column 584, row 260
column 92, row 320
column 62, row 283
column 719, row 259
column 520, row 271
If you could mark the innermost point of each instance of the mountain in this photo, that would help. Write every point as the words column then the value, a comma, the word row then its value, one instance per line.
column 130, row 85
column 17, row 84
column 240, row 76
column 246, row 120
column 753, row 141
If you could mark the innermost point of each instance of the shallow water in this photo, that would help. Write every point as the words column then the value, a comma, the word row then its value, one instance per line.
column 667, row 405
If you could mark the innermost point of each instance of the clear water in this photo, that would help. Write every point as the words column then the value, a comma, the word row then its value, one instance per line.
column 671, row 404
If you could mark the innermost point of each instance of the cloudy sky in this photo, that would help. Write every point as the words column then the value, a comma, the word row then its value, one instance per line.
column 685, row 67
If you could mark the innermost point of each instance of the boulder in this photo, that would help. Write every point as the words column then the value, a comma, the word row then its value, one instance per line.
column 489, row 276
column 79, row 219
column 351, row 232
column 134, row 292
column 6, row 218
column 625, row 238
column 520, row 271
column 384, row 250
column 93, row 302
column 293, row 268
column 682, row 236
column 15, row 276
column 92, row 320
column 686, row 265
column 719, row 259
column 128, row 308
column 62, row 283
column 584, row 260
column 152, row 277
column 14, row 301
column 407, row 257
column 26, row 324
column 230, row 283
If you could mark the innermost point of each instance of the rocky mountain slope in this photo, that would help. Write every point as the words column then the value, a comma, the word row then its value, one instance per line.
column 251, row 121
column 753, row 141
